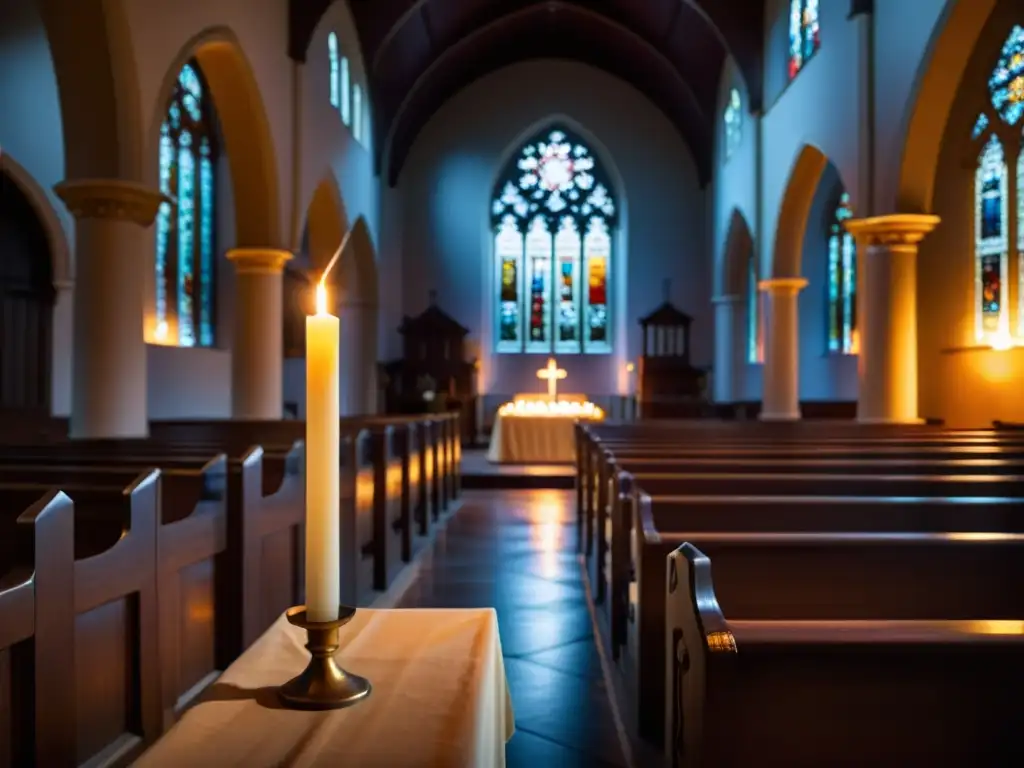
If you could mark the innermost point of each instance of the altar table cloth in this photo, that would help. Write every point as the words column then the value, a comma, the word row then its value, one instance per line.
column 439, row 698
column 533, row 440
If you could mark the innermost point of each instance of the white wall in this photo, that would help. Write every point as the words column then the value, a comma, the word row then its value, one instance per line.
column 447, row 185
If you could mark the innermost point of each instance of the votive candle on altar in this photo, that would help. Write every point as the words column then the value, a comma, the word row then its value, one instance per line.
column 323, row 459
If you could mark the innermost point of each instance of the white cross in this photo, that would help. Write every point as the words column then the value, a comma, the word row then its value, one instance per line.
column 552, row 373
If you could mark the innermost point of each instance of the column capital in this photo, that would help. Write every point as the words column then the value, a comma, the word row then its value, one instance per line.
column 892, row 229
column 112, row 199
column 729, row 298
column 259, row 261
column 783, row 285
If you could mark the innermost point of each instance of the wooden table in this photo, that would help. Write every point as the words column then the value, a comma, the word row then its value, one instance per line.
column 439, row 698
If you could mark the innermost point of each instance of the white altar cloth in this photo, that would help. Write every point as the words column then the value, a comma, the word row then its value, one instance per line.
column 533, row 440
column 439, row 698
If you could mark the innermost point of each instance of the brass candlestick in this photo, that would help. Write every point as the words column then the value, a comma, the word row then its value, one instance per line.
column 323, row 684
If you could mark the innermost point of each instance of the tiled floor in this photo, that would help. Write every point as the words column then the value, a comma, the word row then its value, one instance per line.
column 515, row 551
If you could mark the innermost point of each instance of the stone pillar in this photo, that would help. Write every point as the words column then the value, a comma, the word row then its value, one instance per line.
column 887, row 368
column 730, row 347
column 780, row 400
column 257, row 356
column 112, row 252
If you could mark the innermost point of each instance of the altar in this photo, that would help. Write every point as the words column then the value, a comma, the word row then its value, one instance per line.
column 538, row 429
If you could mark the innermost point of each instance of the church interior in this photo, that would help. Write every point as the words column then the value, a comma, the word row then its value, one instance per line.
column 511, row 382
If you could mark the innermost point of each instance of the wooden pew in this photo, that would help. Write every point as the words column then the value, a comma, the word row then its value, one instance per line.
column 113, row 689
column 864, row 692
column 36, row 658
column 219, row 521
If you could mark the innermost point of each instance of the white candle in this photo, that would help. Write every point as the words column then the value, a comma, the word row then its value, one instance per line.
column 323, row 459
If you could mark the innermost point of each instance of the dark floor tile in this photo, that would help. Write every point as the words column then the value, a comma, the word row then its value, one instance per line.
column 570, row 710
column 528, row 750
column 580, row 658
column 531, row 630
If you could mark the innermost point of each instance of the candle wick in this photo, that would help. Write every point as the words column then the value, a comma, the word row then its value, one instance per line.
column 334, row 258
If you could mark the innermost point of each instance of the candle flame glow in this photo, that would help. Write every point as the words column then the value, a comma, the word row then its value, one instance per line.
column 559, row 408
column 321, row 288
column 321, row 298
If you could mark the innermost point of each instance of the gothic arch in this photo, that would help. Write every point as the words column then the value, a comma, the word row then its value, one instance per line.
column 60, row 253
column 935, row 89
column 90, row 42
column 246, row 131
column 358, row 278
column 596, row 146
column 736, row 255
column 326, row 222
column 794, row 210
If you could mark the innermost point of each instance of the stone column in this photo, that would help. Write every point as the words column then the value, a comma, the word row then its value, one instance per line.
column 257, row 356
column 730, row 346
column 887, row 371
column 780, row 400
column 112, row 251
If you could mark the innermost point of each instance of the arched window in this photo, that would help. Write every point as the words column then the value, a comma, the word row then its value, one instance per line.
column 755, row 348
column 996, row 229
column 842, row 283
column 733, row 123
column 357, row 112
column 185, row 232
column 346, row 99
column 554, row 218
column 804, row 34
column 332, row 54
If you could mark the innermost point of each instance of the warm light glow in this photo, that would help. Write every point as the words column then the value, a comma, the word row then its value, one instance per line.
column 1002, row 341
column 552, row 373
column 855, row 341
column 997, row 626
column 981, row 536
column 321, row 299
column 630, row 367
column 557, row 409
column 160, row 334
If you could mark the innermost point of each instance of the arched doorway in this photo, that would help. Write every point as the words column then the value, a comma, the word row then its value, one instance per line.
column 26, row 303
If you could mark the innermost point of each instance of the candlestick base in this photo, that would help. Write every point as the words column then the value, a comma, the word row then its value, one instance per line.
column 323, row 684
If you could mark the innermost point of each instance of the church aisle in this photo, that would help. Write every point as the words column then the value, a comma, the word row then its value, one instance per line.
column 515, row 551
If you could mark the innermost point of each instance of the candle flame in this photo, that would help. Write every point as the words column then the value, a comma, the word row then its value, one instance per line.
column 321, row 298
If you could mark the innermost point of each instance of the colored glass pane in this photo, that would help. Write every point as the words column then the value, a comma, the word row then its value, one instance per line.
column 842, row 282
column 332, row 56
column 538, row 259
column 991, row 241
column 733, row 123
column 567, row 266
column 597, row 249
column 185, row 269
column 980, row 125
column 357, row 112
column 1006, row 83
column 508, row 251
column 346, row 87
column 804, row 33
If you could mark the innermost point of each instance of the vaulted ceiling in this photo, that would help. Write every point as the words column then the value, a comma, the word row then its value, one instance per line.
column 419, row 53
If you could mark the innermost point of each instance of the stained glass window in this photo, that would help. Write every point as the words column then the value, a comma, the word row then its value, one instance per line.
column 998, row 227
column 332, row 55
column 357, row 112
column 346, row 97
column 1006, row 84
column 804, row 33
column 554, row 217
column 755, row 348
column 990, row 236
column 185, row 233
column 733, row 123
column 842, row 283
